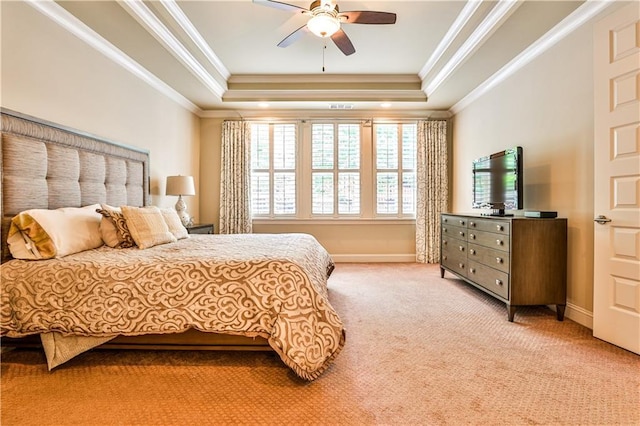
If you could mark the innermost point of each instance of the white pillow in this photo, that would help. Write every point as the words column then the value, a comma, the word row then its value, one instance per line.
column 174, row 223
column 45, row 234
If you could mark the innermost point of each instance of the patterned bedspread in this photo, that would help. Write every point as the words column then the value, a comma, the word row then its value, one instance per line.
column 269, row 285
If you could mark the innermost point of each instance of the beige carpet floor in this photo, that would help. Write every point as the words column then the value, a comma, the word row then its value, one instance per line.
column 420, row 350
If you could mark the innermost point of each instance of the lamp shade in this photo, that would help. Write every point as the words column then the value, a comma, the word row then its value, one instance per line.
column 180, row 185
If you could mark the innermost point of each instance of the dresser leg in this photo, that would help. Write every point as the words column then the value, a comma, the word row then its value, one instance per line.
column 560, row 312
column 511, row 310
column 441, row 272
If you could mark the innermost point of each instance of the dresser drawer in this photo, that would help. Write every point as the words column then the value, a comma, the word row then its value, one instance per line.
column 493, row 280
column 494, row 258
column 454, row 220
column 489, row 239
column 454, row 232
column 455, row 260
column 454, row 245
column 497, row 226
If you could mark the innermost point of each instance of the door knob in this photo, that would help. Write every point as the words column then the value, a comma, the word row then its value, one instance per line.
column 601, row 219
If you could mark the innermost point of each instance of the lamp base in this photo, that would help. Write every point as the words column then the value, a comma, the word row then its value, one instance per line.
column 181, row 209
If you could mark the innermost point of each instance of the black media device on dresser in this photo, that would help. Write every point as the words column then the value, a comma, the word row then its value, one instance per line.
column 520, row 261
column 200, row 228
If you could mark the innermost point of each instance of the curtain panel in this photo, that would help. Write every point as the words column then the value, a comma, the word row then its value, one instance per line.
column 433, row 188
column 235, row 179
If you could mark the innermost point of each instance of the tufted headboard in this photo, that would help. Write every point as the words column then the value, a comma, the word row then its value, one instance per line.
column 47, row 166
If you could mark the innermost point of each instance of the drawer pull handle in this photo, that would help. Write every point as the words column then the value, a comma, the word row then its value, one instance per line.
column 444, row 242
column 472, row 251
column 461, row 265
column 461, row 233
column 472, row 236
column 445, row 220
column 444, row 257
column 472, row 224
column 461, row 248
column 500, row 227
column 498, row 259
column 472, row 270
column 499, row 242
column 462, row 222
column 445, row 230
column 498, row 282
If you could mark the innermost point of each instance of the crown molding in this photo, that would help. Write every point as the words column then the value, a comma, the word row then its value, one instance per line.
column 283, row 114
column 463, row 18
column 321, row 87
column 141, row 13
column 580, row 16
column 291, row 86
column 325, row 95
column 488, row 26
column 76, row 27
column 325, row 78
column 187, row 26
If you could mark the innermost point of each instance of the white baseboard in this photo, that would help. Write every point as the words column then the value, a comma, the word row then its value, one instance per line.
column 373, row 258
column 579, row 315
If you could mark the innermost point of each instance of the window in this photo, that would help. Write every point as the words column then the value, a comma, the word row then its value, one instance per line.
column 333, row 170
column 273, row 164
column 335, row 183
column 395, row 152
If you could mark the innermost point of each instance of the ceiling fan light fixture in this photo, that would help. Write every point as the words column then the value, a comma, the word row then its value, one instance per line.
column 323, row 24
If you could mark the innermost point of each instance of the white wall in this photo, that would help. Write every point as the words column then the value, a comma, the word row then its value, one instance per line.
column 48, row 73
column 547, row 108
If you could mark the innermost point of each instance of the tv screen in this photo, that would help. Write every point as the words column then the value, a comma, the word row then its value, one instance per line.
column 497, row 181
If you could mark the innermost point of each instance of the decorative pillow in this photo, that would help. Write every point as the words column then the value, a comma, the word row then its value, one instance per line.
column 147, row 226
column 45, row 234
column 174, row 223
column 113, row 227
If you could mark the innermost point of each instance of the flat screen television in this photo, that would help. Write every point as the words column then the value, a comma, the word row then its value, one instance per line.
column 497, row 182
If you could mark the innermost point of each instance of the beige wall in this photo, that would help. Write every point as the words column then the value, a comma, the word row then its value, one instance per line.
column 547, row 108
column 48, row 73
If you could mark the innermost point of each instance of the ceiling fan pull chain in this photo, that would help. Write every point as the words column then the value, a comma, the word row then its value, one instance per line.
column 323, row 49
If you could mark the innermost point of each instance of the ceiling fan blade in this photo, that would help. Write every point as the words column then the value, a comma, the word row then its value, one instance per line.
column 368, row 17
column 294, row 36
column 281, row 6
column 341, row 40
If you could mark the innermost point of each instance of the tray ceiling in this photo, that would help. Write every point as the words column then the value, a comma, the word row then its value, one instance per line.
column 223, row 55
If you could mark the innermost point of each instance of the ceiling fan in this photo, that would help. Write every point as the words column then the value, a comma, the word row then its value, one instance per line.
column 326, row 20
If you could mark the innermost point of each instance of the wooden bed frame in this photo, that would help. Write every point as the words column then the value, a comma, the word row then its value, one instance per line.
column 36, row 157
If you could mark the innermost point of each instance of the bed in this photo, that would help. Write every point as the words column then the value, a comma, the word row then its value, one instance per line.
column 229, row 292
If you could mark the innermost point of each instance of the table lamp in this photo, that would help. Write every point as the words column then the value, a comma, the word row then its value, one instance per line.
column 181, row 185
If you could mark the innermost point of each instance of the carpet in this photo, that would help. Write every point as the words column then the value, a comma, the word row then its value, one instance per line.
column 420, row 350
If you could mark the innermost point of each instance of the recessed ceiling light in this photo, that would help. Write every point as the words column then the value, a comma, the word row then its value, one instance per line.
column 385, row 105
column 263, row 105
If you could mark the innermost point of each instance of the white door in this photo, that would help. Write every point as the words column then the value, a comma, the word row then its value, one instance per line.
column 616, row 299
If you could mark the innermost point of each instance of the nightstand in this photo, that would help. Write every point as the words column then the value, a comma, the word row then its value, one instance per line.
column 200, row 228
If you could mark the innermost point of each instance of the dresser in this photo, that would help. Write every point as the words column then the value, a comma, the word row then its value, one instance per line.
column 520, row 261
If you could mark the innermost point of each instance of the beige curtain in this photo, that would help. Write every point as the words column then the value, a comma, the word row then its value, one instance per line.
column 433, row 188
column 235, row 178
